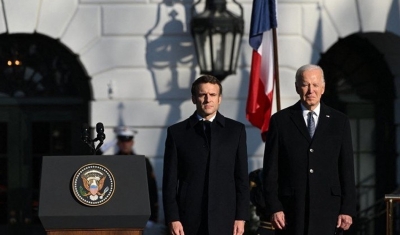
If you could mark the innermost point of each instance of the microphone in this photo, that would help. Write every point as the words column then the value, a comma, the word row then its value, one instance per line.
column 100, row 132
column 85, row 133
column 100, row 136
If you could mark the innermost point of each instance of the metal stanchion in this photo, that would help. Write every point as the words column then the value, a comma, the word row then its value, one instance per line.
column 390, row 198
column 389, row 217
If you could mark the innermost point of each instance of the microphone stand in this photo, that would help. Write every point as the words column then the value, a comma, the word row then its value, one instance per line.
column 100, row 137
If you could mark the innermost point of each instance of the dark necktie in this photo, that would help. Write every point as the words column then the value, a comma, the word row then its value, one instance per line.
column 207, row 130
column 311, row 123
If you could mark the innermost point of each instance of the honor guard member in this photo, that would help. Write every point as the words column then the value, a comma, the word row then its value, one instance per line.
column 125, row 142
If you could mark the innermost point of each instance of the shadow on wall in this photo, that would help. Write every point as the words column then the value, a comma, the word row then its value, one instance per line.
column 169, row 46
column 393, row 22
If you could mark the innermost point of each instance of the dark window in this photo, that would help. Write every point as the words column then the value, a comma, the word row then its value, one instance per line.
column 38, row 66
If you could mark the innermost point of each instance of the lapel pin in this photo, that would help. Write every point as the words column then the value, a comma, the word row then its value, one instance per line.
column 328, row 116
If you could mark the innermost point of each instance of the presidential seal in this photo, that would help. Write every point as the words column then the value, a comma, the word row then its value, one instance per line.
column 93, row 184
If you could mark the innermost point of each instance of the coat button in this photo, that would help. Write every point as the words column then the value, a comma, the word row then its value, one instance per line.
column 311, row 171
column 312, row 150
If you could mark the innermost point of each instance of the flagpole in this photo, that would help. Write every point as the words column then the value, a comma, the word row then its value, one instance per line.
column 276, row 69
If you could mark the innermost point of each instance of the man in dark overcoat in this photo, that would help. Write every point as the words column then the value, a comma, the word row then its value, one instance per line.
column 308, row 163
column 205, row 178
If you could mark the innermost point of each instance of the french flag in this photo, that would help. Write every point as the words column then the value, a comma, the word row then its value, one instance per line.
column 262, row 74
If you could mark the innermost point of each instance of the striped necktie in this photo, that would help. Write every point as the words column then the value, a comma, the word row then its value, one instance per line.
column 311, row 123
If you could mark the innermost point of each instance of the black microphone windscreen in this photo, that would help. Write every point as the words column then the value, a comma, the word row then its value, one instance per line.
column 99, row 127
column 100, row 132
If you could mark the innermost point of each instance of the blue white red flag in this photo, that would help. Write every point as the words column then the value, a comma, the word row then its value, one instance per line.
column 262, row 74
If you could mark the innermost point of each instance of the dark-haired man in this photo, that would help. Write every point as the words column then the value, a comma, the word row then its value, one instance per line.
column 205, row 183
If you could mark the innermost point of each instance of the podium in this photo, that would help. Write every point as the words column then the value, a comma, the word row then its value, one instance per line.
column 92, row 194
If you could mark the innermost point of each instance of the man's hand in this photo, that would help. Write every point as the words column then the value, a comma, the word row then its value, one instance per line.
column 278, row 220
column 344, row 222
column 238, row 227
column 176, row 228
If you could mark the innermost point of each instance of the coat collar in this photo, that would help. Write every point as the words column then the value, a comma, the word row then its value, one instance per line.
column 219, row 118
column 296, row 114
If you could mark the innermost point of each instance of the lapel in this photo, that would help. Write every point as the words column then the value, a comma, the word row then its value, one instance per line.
column 216, row 127
column 296, row 115
column 195, row 126
column 323, row 120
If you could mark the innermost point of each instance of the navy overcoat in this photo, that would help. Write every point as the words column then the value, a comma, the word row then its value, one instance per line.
column 185, row 178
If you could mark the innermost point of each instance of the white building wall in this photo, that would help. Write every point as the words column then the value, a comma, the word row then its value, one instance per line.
column 141, row 60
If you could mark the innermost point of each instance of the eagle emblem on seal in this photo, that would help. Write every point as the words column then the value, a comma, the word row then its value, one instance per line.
column 93, row 181
column 93, row 184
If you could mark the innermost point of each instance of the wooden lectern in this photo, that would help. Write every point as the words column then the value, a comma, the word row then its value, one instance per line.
column 125, row 212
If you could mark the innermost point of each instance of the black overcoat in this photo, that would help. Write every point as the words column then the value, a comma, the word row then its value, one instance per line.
column 185, row 167
column 311, row 180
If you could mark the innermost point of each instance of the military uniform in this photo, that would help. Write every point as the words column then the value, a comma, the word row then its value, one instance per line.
column 126, row 134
